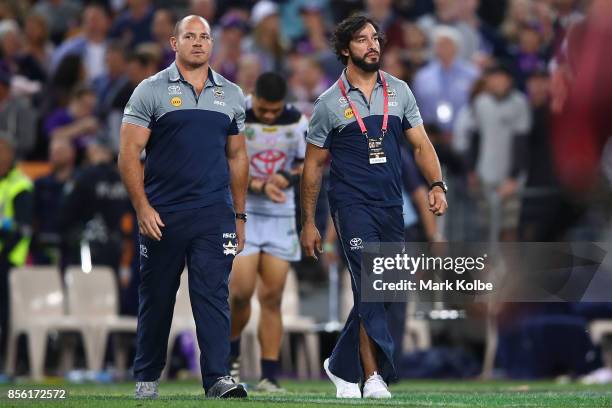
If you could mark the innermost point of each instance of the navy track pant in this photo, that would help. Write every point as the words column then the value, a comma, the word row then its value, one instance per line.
column 357, row 224
column 204, row 239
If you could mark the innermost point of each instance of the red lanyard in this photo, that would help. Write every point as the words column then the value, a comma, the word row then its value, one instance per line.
column 362, row 126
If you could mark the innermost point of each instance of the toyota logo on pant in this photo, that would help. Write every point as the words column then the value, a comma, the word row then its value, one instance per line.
column 356, row 243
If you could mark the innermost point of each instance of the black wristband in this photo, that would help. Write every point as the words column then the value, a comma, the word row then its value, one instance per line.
column 440, row 184
column 241, row 216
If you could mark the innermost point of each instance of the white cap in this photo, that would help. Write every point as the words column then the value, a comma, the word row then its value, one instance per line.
column 263, row 9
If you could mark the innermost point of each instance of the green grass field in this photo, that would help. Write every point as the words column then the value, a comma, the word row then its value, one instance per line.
column 321, row 393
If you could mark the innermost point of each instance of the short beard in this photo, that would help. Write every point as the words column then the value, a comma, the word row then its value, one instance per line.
column 195, row 65
column 363, row 65
column 192, row 65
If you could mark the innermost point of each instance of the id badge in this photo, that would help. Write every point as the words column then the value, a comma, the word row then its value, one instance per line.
column 376, row 152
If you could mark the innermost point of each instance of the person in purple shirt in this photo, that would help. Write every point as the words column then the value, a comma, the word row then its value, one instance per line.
column 529, row 55
column 76, row 122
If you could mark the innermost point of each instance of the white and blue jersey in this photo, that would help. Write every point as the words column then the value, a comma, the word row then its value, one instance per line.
column 272, row 148
column 333, row 126
column 186, row 165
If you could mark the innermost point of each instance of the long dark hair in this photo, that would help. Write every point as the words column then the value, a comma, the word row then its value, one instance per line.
column 347, row 29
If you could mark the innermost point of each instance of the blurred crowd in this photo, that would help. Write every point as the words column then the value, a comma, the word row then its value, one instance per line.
column 514, row 95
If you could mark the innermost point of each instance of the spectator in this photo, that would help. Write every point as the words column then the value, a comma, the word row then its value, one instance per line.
column 442, row 87
column 308, row 83
column 75, row 123
column 315, row 41
column 382, row 12
column 61, row 15
column 163, row 28
column 447, row 12
column 249, row 68
column 204, row 8
column 544, row 18
column 108, row 85
column 501, row 119
column 416, row 51
column 48, row 193
column 90, row 45
column 227, row 54
column 70, row 74
column 17, row 120
column 265, row 41
column 133, row 26
column 522, row 13
column 14, row 59
column 316, row 37
column 528, row 56
column 518, row 14
column 37, row 42
column 488, row 41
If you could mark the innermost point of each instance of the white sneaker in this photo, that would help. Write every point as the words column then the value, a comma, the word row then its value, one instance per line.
column 375, row 387
column 602, row 375
column 344, row 389
column 146, row 390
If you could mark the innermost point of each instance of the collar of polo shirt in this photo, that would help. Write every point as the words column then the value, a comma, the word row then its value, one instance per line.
column 352, row 88
column 176, row 76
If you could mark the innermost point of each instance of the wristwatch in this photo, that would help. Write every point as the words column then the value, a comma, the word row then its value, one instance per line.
column 241, row 216
column 440, row 184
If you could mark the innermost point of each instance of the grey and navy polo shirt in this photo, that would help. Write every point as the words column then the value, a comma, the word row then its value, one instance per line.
column 186, row 165
column 333, row 126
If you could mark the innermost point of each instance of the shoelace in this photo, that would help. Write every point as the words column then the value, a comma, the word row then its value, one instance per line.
column 375, row 377
column 146, row 386
column 227, row 378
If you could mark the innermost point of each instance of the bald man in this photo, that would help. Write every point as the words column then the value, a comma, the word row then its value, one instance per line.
column 190, row 203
